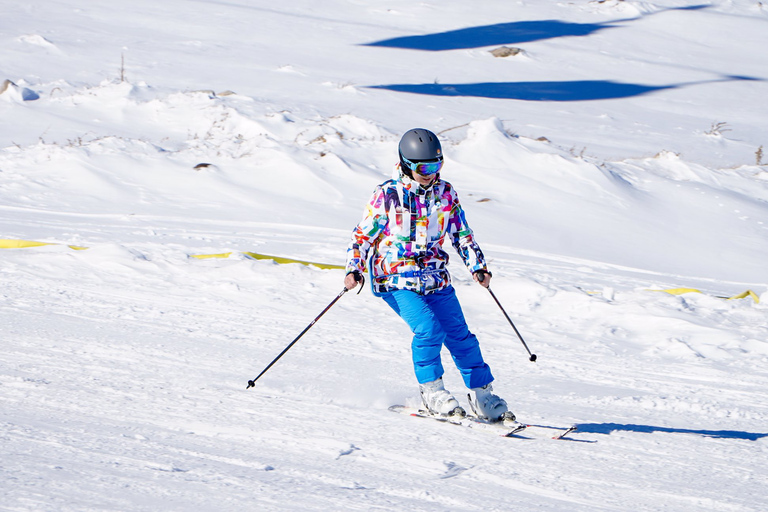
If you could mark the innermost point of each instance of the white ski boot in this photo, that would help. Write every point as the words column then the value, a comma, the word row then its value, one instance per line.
column 488, row 406
column 439, row 401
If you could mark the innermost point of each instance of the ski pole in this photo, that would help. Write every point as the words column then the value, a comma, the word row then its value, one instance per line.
column 252, row 383
column 481, row 277
column 533, row 356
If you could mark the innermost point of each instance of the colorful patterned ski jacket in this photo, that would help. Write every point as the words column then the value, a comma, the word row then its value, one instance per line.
column 401, row 237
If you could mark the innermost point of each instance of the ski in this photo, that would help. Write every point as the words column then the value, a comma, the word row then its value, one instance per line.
column 543, row 431
column 567, row 431
column 503, row 429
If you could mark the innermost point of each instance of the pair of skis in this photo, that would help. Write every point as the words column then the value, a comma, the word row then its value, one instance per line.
column 502, row 428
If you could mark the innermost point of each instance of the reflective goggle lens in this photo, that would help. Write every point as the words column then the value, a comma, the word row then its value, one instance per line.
column 425, row 168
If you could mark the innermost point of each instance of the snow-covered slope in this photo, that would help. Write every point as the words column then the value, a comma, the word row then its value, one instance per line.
column 616, row 156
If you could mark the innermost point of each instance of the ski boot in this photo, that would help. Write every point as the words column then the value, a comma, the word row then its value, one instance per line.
column 438, row 401
column 488, row 406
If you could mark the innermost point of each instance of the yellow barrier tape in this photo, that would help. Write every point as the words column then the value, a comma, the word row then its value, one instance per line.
column 280, row 260
column 6, row 243
column 276, row 259
column 744, row 295
column 20, row 244
column 680, row 291
column 207, row 256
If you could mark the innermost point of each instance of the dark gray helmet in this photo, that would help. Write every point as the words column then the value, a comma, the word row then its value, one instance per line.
column 420, row 151
column 419, row 145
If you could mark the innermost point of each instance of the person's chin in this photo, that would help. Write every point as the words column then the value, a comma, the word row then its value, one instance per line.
column 424, row 182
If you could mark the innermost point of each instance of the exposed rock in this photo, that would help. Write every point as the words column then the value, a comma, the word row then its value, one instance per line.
column 205, row 165
column 506, row 51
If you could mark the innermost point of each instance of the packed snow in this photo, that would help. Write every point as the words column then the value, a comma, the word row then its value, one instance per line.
column 613, row 168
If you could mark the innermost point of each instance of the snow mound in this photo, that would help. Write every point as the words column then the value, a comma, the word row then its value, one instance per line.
column 36, row 40
column 11, row 92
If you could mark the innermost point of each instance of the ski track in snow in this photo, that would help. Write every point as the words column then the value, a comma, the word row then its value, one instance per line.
column 124, row 366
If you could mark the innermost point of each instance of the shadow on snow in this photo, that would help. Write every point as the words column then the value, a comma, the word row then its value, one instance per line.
column 608, row 428
column 581, row 90
column 521, row 32
column 578, row 90
column 503, row 33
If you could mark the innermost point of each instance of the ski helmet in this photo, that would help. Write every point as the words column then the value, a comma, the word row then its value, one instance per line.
column 420, row 151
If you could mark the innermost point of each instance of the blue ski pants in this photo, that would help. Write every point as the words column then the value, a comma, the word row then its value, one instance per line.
column 436, row 319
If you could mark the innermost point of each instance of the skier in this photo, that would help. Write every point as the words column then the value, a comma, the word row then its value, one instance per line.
column 399, row 241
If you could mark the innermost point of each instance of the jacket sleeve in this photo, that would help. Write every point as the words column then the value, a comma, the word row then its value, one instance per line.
column 463, row 239
column 366, row 232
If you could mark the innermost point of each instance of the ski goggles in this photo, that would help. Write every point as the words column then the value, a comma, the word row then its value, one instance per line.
column 429, row 168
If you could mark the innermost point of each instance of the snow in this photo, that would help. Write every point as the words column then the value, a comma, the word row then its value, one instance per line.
column 617, row 156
